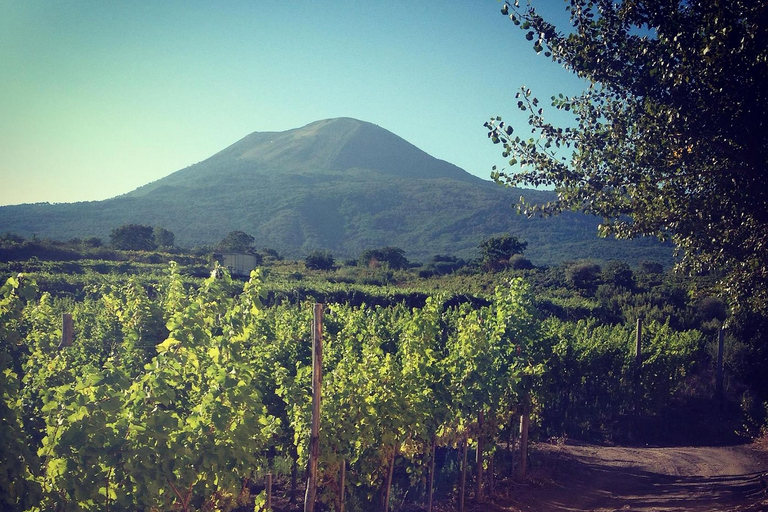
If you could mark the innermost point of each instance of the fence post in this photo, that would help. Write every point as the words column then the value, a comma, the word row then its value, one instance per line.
column 317, row 379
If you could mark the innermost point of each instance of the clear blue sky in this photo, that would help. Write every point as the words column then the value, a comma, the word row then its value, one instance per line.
column 99, row 97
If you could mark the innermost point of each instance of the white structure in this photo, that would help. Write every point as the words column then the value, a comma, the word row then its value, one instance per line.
column 239, row 264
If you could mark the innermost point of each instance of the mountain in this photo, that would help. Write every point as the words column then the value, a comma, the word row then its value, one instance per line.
column 339, row 184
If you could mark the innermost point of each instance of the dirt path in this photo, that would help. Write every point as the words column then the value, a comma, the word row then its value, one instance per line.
column 584, row 477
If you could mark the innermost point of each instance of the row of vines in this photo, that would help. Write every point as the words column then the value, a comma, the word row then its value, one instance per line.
column 176, row 398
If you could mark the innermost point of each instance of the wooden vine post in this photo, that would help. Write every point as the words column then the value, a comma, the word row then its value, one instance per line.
column 524, row 422
column 463, row 486
column 431, row 475
column 342, row 484
column 719, row 374
column 638, row 364
column 390, row 472
column 317, row 379
column 639, row 343
column 479, row 458
column 490, row 472
column 269, row 491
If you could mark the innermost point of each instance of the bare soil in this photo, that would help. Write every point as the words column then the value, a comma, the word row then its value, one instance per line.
column 577, row 477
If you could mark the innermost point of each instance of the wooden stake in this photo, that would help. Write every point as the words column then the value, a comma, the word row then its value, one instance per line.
column 294, row 477
column 479, row 458
column 463, row 475
column 638, row 364
column 342, row 484
column 719, row 375
column 490, row 472
column 389, row 479
column 524, row 420
column 317, row 379
column 269, row 491
column 511, row 442
column 431, row 475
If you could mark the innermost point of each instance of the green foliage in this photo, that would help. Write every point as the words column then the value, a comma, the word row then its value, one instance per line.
column 176, row 391
column 319, row 260
column 183, row 429
column 271, row 254
column 593, row 382
column 583, row 275
column 518, row 262
column 618, row 273
column 442, row 265
column 237, row 241
column 163, row 237
column 393, row 257
column 668, row 140
column 495, row 252
column 18, row 490
column 133, row 237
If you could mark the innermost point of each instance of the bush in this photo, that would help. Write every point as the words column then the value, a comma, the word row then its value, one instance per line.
column 520, row 262
column 133, row 237
column 712, row 308
column 394, row 257
column 619, row 274
column 583, row 275
column 319, row 260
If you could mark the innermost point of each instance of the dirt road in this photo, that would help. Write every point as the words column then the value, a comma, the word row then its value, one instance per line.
column 584, row 477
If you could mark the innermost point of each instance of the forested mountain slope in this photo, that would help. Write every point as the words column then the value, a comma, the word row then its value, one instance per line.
column 339, row 184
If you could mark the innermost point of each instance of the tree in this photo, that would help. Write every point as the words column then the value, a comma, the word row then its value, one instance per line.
column 133, row 237
column 319, row 260
column 394, row 257
column 618, row 273
column 163, row 237
column 669, row 139
column 583, row 275
column 496, row 251
column 237, row 241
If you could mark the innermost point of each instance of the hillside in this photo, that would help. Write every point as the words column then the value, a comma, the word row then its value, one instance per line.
column 339, row 184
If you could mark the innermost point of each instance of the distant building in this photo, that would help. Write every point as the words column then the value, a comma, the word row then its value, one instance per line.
column 238, row 264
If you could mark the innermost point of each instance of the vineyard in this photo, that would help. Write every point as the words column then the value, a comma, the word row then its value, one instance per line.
column 180, row 397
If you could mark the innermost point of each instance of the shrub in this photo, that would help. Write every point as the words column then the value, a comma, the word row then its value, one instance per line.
column 319, row 260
